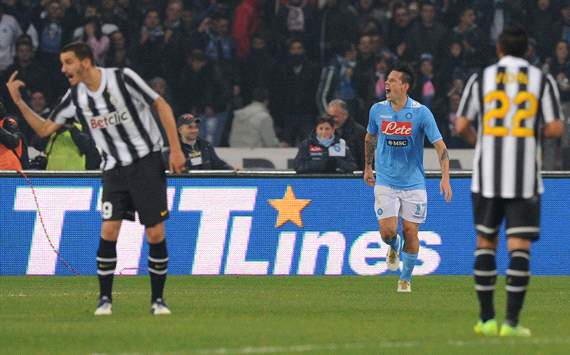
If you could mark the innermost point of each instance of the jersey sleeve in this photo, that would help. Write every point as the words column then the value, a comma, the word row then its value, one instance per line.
column 550, row 101
column 430, row 126
column 64, row 111
column 469, row 104
column 138, row 87
column 372, row 123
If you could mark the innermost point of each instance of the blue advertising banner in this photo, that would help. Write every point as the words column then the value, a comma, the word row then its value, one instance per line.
column 255, row 226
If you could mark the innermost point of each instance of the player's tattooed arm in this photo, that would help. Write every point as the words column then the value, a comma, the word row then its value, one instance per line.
column 370, row 143
column 443, row 155
column 445, row 185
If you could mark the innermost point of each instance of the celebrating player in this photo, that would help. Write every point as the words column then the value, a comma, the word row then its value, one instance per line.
column 511, row 99
column 395, row 140
column 113, row 105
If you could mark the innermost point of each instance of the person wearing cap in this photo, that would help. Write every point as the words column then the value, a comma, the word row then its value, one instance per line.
column 200, row 154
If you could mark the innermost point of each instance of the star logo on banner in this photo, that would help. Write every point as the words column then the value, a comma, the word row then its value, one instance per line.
column 289, row 208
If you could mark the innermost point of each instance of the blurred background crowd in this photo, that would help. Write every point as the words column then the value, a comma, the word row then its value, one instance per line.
column 269, row 68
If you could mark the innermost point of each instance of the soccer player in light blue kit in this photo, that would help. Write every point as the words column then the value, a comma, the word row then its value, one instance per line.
column 395, row 140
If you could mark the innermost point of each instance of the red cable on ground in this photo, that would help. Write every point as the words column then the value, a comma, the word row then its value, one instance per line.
column 65, row 263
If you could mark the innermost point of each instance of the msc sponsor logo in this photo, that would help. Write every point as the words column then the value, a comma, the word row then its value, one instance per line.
column 397, row 142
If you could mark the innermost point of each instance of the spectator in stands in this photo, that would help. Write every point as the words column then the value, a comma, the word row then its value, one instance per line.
column 426, row 35
column 92, row 12
column 257, row 67
column 323, row 151
column 118, row 55
column 29, row 69
column 111, row 13
column 12, row 145
column 542, row 14
column 246, row 22
column 252, row 125
column 200, row 154
column 363, row 71
column 39, row 105
column 474, row 49
column 149, row 46
column 9, row 32
column 347, row 129
column 367, row 10
column 425, row 89
column 97, row 41
column 297, row 19
column 495, row 15
column 52, row 34
column 451, row 65
column 338, row 24
column 337, row 79
column 23, row 13
column 398, row 29
column 201, row 90
column 561, row 29
column 293, row 92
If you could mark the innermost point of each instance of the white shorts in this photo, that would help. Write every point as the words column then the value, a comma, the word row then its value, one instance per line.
column 411, row 205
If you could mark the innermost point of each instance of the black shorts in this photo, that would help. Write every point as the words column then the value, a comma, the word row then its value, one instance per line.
column 522, row 215
column 140, row 187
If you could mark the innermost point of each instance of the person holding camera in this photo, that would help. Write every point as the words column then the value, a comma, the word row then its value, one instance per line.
column 11, row 144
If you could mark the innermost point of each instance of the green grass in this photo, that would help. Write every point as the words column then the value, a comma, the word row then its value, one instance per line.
column 233, row 315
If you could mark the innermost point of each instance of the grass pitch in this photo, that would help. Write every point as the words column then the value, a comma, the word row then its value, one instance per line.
column 273, row 315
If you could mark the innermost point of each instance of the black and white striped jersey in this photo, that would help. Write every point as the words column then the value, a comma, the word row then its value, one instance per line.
column 117, row 115
column 511, row 100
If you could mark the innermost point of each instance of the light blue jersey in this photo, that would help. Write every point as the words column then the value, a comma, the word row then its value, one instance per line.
column 400, row 149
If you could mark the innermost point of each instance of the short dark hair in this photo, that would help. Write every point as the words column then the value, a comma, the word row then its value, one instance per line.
column 407, row 73
column 325, row 119
column 80, row 49
column 513, row 41
column 259, row 94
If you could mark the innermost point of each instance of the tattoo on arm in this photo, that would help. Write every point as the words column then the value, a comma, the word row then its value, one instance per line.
column 371, row 142
column 444, row 155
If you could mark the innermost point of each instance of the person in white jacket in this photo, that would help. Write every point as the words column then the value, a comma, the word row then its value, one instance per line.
column 252, row 125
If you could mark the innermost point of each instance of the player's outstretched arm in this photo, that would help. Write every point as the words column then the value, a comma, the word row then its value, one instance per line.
column 464, row 128
column 370, row 142
column 177, row 161
column 445, row 185
column 42, row 127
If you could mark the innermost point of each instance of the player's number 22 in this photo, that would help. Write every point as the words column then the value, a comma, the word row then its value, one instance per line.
column 501, row 112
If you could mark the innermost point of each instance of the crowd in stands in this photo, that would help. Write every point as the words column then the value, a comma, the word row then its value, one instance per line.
column 270, row 68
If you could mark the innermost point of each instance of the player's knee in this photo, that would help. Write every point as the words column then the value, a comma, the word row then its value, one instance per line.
column 486, row 242
column 110, row 230
column 410, row 232
column 388, row 233
column 514, row 243
column 155, row 233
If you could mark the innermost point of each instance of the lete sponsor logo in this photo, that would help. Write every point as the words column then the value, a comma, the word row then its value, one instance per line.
column 392, row 128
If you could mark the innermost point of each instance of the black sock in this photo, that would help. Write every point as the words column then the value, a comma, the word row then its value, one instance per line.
column 157, row 268
column 106, row 263
column 485, row 273
column 518, row 276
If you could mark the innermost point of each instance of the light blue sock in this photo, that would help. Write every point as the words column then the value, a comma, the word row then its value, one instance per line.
column 393, row 243
column 409, row 261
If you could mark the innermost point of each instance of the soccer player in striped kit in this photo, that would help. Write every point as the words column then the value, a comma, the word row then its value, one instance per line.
column 113, row 105
column 515, row 103
column 394, row 141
